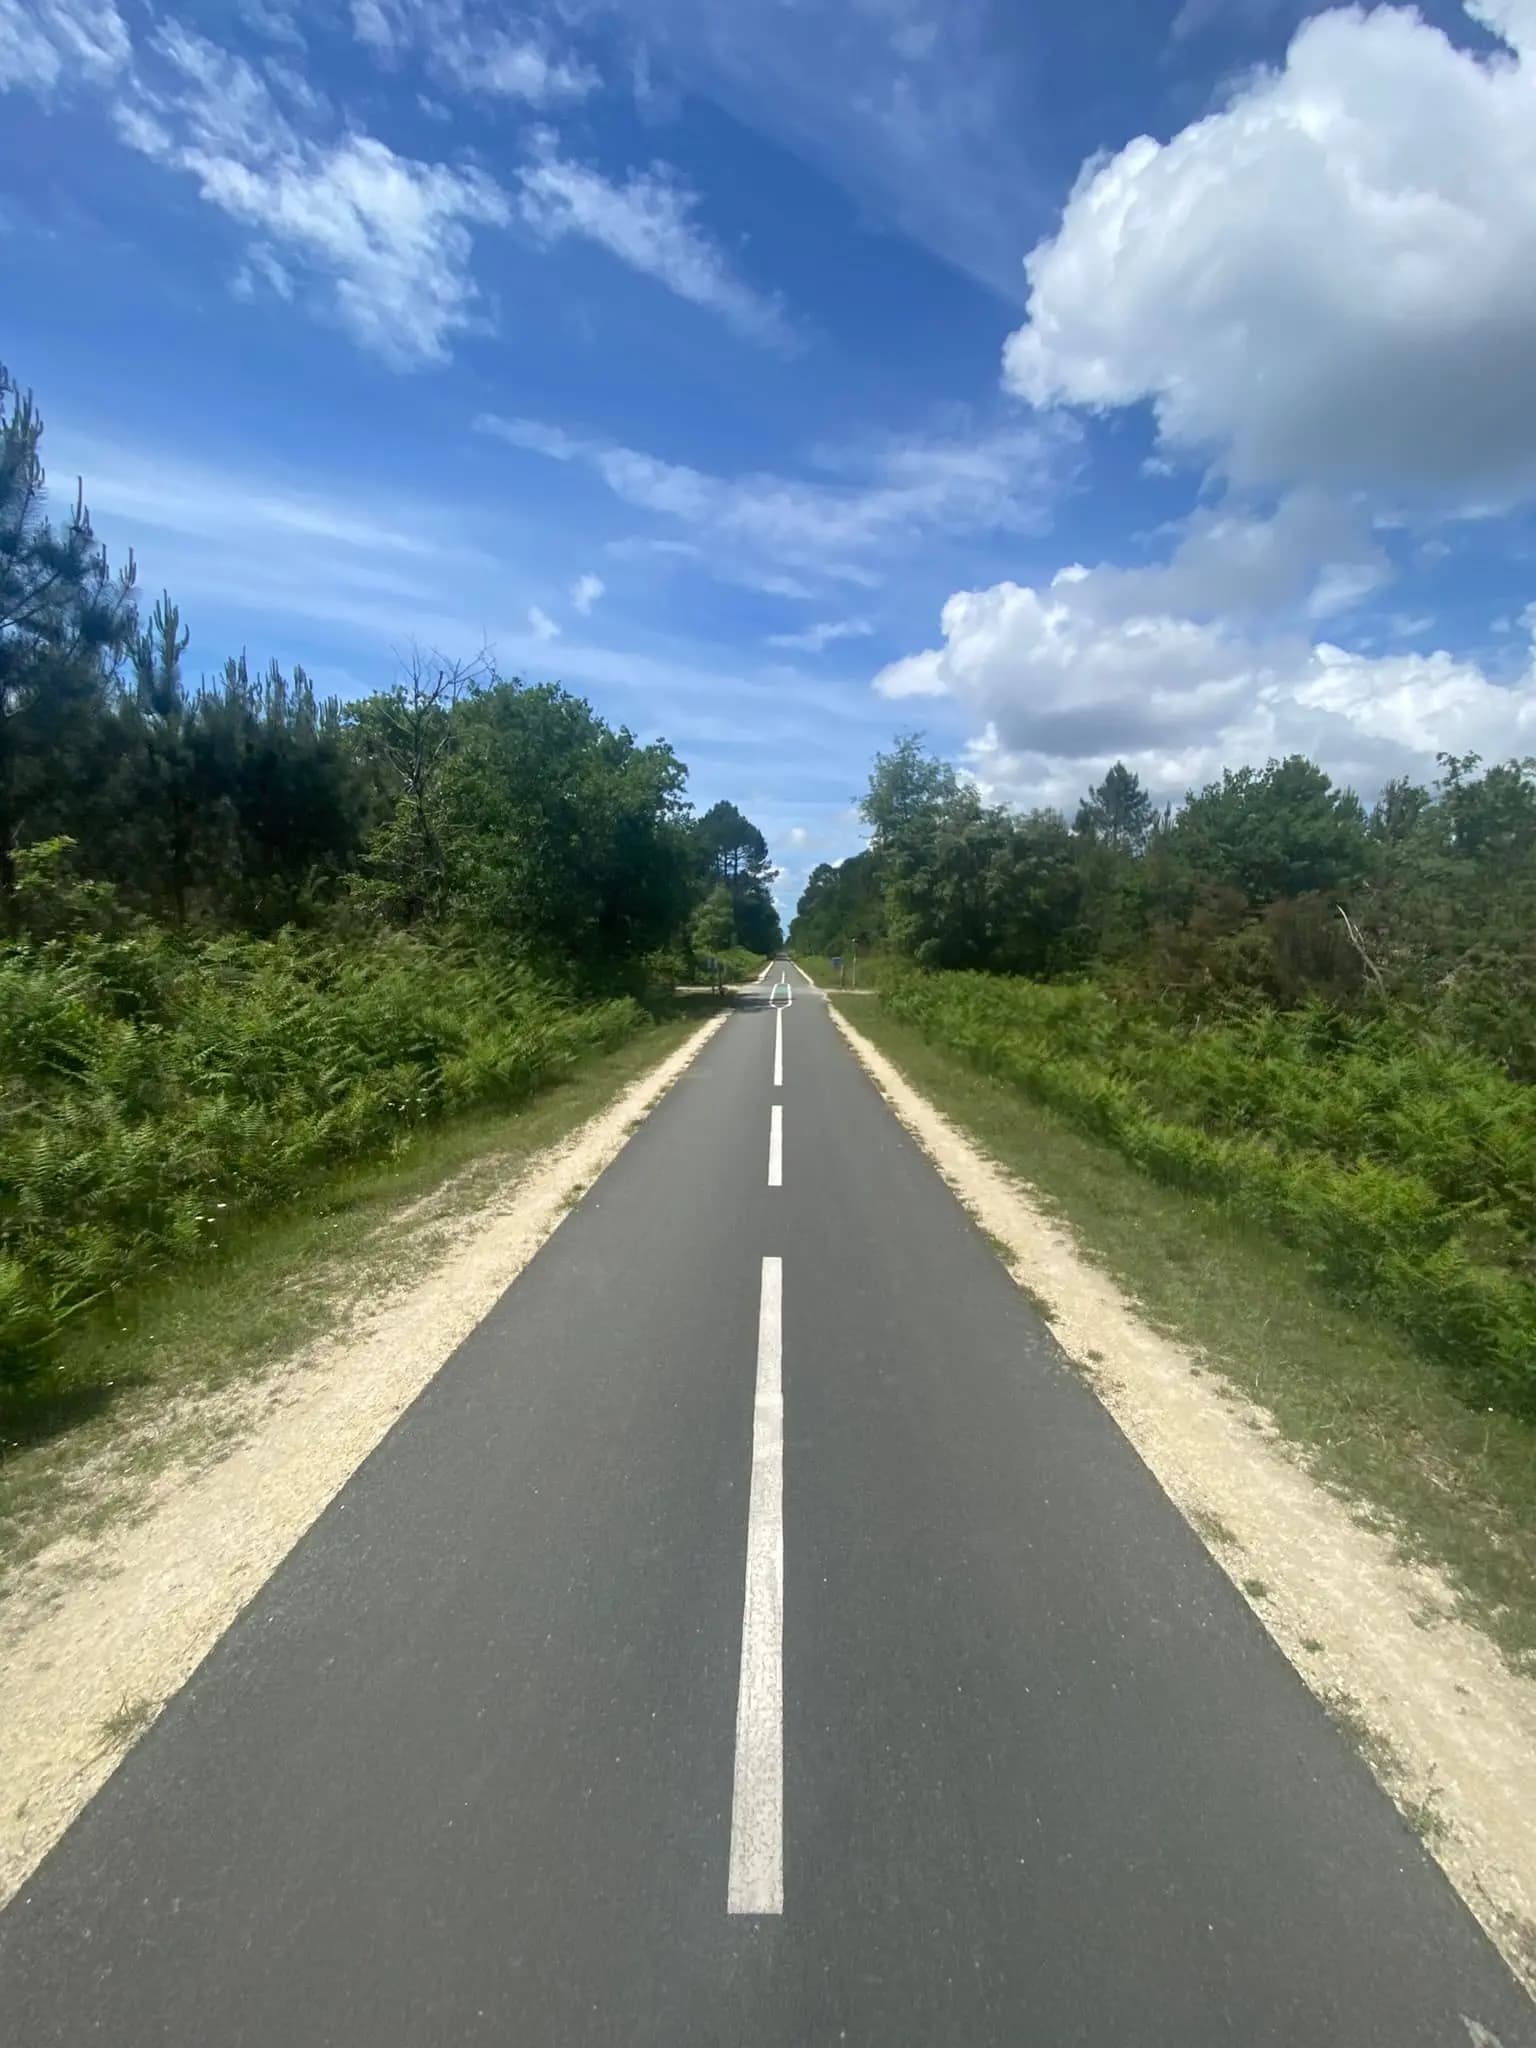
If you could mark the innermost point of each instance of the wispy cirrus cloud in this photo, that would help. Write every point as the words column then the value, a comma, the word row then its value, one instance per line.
column 818, row 638
column 387, row 237
column 922, row 112
column 825, row 531
column 649, row 221
column 55, row 44
column 473, row 48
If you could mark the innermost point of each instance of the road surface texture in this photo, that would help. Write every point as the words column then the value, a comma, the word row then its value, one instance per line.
column 755, row 1637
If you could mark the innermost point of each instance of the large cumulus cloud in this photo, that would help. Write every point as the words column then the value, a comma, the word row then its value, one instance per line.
column 1332, row 280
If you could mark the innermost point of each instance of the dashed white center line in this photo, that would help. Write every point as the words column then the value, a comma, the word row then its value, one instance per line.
column 776, row 1146
column 778, row 1048
column 756, row 1882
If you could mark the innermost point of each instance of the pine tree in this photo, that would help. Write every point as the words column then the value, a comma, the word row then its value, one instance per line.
column 65, row 623
column 1119, row 812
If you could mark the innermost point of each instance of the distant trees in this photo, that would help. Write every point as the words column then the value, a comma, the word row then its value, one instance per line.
column 841, row 907
column 454, row 801
column 970, row 884
column 1269, row 885
column 733, row 853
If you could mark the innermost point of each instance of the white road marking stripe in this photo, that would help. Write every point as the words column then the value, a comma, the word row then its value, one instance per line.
column 756, row 1882
column 776, row 1146
column 778, row 1048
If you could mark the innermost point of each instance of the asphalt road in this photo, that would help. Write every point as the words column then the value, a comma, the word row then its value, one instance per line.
column 755, row 1635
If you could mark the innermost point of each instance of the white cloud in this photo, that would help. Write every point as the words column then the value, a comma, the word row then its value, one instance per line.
column 586, row 590
column 842, row 531
column 816, row 639
column 276, row 23
column 53, row 43
column 1063, row 679
column 520, row 71
column 541, row 625
column 1312, row 556
column 390, row 235
column 380, row 24
column 648, row 222
column 1330, row 281
column 261, row 268
column 467, row 46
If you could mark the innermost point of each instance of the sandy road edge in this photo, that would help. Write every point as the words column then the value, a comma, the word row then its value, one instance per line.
column 1449, row 1729
column 161, row 1593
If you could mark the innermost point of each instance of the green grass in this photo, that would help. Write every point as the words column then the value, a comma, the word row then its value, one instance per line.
column 76, row 1448
column 1377, row 1421
column 825, row 975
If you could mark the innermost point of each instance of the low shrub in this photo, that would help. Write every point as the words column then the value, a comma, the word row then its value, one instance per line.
column 153, row 1089
column 1404, row 1168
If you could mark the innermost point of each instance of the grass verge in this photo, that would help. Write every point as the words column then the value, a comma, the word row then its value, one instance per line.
column 819, row 967
column 1456, row 1487
column 126, row 1393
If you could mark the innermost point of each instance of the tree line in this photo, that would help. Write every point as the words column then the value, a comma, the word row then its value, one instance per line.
column 453, row 800
column 250, row 934
column 1271, row 886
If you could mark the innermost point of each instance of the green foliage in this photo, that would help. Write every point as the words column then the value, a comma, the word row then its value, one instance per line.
column 65, row 622
column 867, row 972
column 713, row 927
column 733, row 853
column 740, row 964
column 1282, row 830
column 246, row 934
column 1119, row 813
column 562, row 836
column 156, row 1089
column 1403, row 1166
column 969, row 884
column 841, row 907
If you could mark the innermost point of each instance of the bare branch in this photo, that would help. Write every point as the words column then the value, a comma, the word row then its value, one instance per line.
column 1352, row 932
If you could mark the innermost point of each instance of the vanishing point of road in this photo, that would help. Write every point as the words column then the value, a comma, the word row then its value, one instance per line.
column 755, row 1637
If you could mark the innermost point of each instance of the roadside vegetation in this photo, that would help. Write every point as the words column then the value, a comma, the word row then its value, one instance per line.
column 1403, row 1168
column 1453, row 1481
column 1298, row 1033
column 251, row 937
column 155, row 1372
column 866, row 972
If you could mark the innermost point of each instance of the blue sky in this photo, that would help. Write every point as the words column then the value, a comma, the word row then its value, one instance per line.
column 1152, row 379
